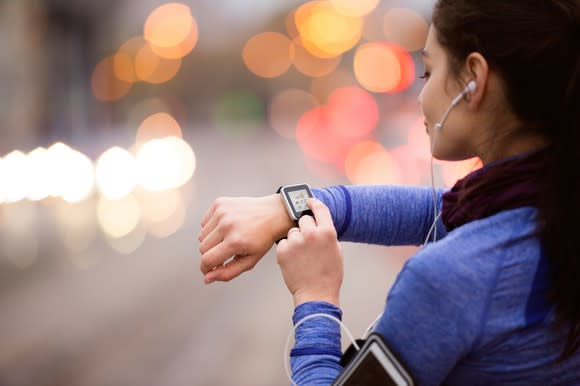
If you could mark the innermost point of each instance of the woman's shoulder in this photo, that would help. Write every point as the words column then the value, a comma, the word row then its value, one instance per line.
column 476, row 251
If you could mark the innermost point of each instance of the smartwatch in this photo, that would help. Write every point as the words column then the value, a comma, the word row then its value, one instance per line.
column 295, row 197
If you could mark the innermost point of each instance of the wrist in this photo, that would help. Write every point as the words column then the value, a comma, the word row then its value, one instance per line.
column 280, row 220
column 301, row 297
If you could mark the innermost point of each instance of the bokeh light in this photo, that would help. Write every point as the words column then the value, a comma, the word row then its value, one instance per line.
column 165, row 163
column 151, row 68
column 72, row 173
column 414, row 170
column 352, row 112
column 39, row 174
column 355, row 8
column 286, row 108
column 371, row 163
column 268, row 54
column 180, row 50
column 383, row 67
column 163, row 211
column 16, row 176
column 105, row 84
column 116, row 173
column 406, row 27
column 311, row 65
column 80, row 177
column 118, row 218
column 357, row 154
column 316, row 139
column 169, row 25
column 124, row 59
column 158, row 125
column 324, row 31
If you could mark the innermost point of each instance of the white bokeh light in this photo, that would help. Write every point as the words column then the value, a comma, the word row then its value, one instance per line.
column 16, row 176
column 72, row 173
column 166, row 163
column 116, row 173
column 40, row 173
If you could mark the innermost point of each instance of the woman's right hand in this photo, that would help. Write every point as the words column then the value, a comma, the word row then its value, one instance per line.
column 241, row 227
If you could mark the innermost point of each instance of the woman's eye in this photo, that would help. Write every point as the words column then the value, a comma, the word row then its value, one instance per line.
column 426, row 75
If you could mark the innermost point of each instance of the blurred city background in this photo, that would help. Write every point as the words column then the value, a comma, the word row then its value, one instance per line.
column 121, row 121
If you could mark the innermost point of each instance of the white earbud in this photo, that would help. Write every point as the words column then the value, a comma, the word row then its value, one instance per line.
column 471, row 87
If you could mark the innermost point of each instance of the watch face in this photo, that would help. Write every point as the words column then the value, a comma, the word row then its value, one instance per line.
column 295, row 197
column 298, row 199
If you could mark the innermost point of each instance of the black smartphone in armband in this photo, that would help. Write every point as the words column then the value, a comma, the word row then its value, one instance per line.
column 374, row 365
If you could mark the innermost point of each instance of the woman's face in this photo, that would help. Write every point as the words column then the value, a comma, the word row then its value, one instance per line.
column 452, row 141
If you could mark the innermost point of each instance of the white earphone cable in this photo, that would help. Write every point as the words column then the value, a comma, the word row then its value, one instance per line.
column 318, row 315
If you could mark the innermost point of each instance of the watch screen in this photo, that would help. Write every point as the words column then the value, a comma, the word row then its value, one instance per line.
column 298, row 199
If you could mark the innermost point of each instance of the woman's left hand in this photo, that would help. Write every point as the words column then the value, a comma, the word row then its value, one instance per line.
column 311, row 258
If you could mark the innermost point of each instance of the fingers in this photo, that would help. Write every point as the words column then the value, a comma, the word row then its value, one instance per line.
column 229, row 271
column 306, row 224
column 210, row 241
column 321, row 213
column 293, row 232
column 209, row 213
column 217, row 255
column 209, row 226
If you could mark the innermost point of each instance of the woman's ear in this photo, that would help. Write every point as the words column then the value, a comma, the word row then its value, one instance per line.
column 477, row 70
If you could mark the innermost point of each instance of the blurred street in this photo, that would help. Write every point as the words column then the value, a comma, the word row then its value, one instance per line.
column 147, row 318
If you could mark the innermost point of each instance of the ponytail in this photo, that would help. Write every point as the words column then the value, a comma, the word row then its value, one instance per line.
column 560, row 212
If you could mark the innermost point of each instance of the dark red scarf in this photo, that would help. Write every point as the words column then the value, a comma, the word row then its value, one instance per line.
column 502, row 185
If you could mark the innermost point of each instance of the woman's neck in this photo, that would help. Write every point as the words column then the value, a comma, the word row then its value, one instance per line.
column 511, row 145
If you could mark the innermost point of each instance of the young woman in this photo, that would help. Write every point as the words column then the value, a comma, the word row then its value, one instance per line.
column 495, row 300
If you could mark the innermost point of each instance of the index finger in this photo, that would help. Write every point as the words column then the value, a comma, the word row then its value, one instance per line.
column 321, row 213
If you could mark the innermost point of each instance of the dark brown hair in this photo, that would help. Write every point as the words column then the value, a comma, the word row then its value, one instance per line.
column 534, row 46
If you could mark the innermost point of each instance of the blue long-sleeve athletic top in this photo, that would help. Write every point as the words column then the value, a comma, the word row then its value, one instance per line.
column 468, row 309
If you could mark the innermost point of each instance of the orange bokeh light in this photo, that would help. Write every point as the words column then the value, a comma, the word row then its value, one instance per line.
column 356, row 154
column 169, row 25
column 124, row 59
column 311, row 65
column 324, row 31
column 268, row 54
column 355, row 8
column 180, row 50
column 159, row 125
column 370, row 163
column 383, row 67
column 105, row 85
column 149, row 67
